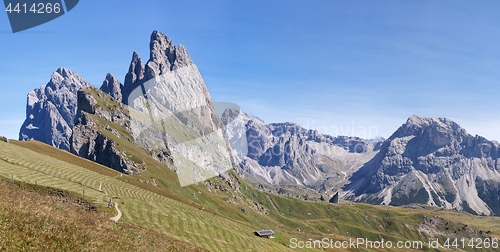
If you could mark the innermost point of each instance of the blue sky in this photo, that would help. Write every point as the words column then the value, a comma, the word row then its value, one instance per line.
column 342, row 67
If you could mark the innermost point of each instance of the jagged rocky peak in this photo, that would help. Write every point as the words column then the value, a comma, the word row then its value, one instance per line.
column 445, row 135
column 135, row 74
column 431, row 161
column 136, row 69
column 51, row 109
column 112, row 86
column 165, row 56
column 176, row 92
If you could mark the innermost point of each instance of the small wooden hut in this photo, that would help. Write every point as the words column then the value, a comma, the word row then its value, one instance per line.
column 265, row 233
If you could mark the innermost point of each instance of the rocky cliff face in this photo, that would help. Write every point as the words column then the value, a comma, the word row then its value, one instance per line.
column 171, row 116
column 171, row 108
column 102, row 123
column 432, row 161
column 52, row 108
column 285, row 153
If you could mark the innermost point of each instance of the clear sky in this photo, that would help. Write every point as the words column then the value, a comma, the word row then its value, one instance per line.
column 342, row 67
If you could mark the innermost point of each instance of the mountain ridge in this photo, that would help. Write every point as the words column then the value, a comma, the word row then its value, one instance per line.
column 432, row 161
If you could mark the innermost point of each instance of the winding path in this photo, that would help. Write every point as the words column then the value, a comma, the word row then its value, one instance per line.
column 117, row 217
column 100, row 184
column 275, row 208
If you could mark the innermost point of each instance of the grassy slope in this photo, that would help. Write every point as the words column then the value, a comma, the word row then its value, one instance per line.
column 139, row 206
column 37, row 222
column 221, row 226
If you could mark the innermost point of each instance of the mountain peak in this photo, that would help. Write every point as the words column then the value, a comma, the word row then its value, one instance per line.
column 431, row 161
column 159, row 36
column 426, row 121
column 53, row 104
column 112, row 86
column 64, row 71
column 165, row 56
column 135, row 74
column 415, row 125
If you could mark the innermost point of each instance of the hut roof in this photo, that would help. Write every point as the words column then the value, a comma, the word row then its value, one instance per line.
column 265, row 232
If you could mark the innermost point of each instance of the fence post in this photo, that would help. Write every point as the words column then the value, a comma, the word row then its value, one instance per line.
column 12, row 179
column 36, row 186
column 83, row 194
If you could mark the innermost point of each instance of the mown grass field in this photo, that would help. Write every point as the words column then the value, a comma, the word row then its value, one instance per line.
column 31, row 221
column 213, row 219
column 139, row 206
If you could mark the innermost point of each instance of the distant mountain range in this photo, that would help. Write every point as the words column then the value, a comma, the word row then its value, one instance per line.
column 285, row 153
column 427, row 160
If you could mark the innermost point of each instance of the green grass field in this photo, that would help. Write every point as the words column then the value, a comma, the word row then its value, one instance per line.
column 139, row 206
column 35, row 221
column 212, row 218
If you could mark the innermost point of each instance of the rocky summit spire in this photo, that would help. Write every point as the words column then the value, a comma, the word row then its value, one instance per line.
column 112, row 86
column 135, row 71
column 134, row 76
column 164, row 56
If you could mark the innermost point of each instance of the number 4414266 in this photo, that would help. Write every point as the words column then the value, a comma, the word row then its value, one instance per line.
column 475, row 243
column 37, row 8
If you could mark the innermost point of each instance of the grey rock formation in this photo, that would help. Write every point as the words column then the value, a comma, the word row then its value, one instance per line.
column 170, row 115
column 52, row 108
column 164, row 57
column 172, row 109
column 431, row 161
column 335, row 198
column 86, row 102
column 113, row 87
column 89, row 139
column 285, row 153
column 89, row 142
column 175, row 111
column 133, row 77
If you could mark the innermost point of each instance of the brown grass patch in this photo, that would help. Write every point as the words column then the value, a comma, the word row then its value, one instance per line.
column 36, row 222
